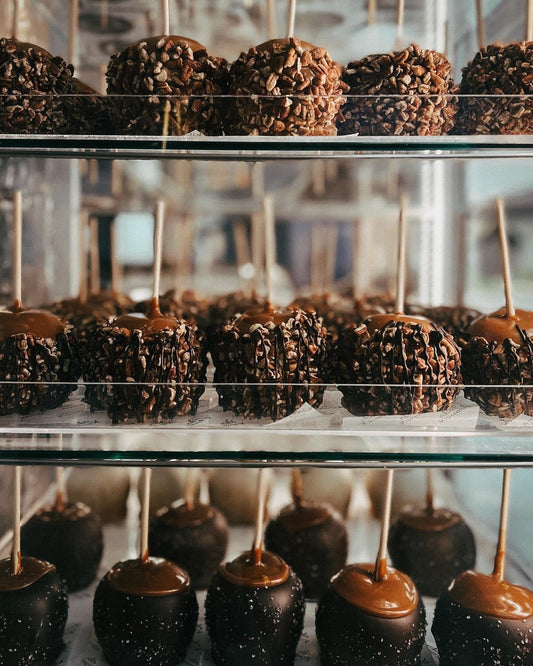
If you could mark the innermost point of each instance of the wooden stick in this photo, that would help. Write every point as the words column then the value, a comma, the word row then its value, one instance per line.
column 16, row 18
column 499, row 560
column 314, row 280
column 84, row 221
column 291, row 13
column 260, row 517
column 17, row 247
column 480, row 25
column 104, row 15
column 381, row 560
column 297, row 486
column 356, row 239
column 371, row 17
column 15, row 553
column 61, row 492
column 401, row 268
column 94, row 256
column 429, row 490
column 318, row 184
column 257, row 222
column 332, row 235
column 509, row 307
column 165, row 11
column 399, row 22
column 240, row 240
column 270, row 245
column 158, row 247
column 191, row 482
column 272, row 20
column 145, row 513
column 114, row 263
column 73, row 32
column 529, row 20
column 461, row 262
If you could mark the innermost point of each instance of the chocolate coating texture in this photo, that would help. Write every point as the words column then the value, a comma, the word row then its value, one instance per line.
column 139, row 630
column 164, row 372
column 420, row 84
column 281, row 364
column 143, row 76
column 70, row 538
column 314, row 549
column 254, row 625
column 32, row 621
column 469, row 638
column 431, row 548
column 195, row 538
column 420, row 354
column 31, row 83
column 349, row 635
column 495, row 91
column 284, row 87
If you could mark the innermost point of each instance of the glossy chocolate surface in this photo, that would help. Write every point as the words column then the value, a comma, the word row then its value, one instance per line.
column 39, row 323
column 31, row 570
column 270, row 571
column 151, row 323
column 378, row 321
column 393, row 596
column 303, row 515
column 283, row 42
column 497, row 326
column 148, row 578
column 488, row 595
column 182, row 515
column 429, row 520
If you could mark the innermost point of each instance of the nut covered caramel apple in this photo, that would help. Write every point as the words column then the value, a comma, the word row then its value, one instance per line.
column 455, row 320
column 388, row 351
column 166, row 85
column 156, row 362
column 284, row 87
column 32, row 83
column 254, row 611
column 499, row 351
column 481, row 619
column 495, row 91
column 397, row 94
column 33, row 613
column 268, row 363
column 39, row 364
column 377, row 622
column 145, row 612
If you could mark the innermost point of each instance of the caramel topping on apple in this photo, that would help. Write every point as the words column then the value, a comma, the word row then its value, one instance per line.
column 490, row 596
column 262, row 316
column 152, row 42
column 31, row 570
column 377, row 321
column 302, row 516
column 180, row 515
column 151, row 323
column 393, row 596
column 286, row 42
column 498, row 326
column 429, row 520
column 245, row 572
column 154, row 577
column 39, row 323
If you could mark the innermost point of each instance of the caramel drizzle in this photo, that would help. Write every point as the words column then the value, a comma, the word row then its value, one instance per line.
column 29, row 572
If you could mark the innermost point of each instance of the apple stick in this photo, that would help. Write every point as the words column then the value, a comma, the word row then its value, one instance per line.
column 509, row 307
column 16, row 18
column 271, row 18
column 145, row 513
column 61, row 492
column 270, row 245
column 371, row 17
column 115, row 270
column 15, row 553
column 332, row 234
column 461, row 261
column 314, row 280
column 529, row 21
column 499, row 560
column 191, row 483
column 165, row 13
column 399, row 22
column 381, row 560
column 104, row 15
column 291, row 13
column 258, row 190
column 158, row 246
column 17, row 248
column 73, row 32
column 84, row 221
column 296, row 486
column 95, row 255
column 480, row 24
column 356, row 242
column 401, row 268
column 260, row 518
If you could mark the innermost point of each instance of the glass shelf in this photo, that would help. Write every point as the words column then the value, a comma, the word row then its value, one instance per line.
column 461, row 436
column 251, row 148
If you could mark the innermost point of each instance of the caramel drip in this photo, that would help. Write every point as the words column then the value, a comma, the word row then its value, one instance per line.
column 244, row 571
column 38, row 323
column 429, row 520
column 394, row 595
column 262, row 316
column 30, row 572
column 498, row 326
column 488, row 595
column 152, row 42
column 180, row 515
column 151, row 577
column 379, row 321
column 303, row 515
column 151, row 323
column 272, row 44
column 69, row 511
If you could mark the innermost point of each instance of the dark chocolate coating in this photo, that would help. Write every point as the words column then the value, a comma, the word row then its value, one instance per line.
column 32, row 621
column 198, row 548
column 432, row 558
column 467, row 638
column 254, row 625
column 349, row 635
column 315, row 553
column 141, row 630
column 71, row 539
